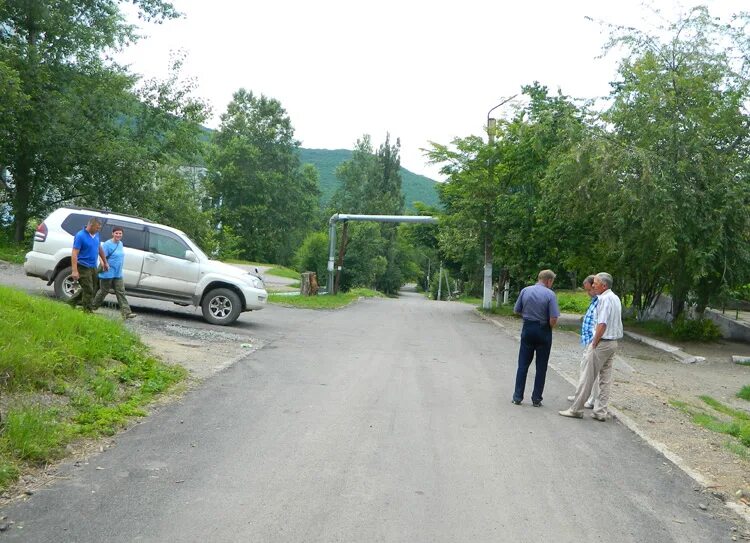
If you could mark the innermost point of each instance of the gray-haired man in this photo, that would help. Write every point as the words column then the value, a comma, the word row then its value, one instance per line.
column 601, row 354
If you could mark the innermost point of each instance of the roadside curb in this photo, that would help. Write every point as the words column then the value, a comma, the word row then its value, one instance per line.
column 677, row 353
column 738, row 508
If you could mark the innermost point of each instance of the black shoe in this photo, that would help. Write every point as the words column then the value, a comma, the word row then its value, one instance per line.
column 537, row 404
column 516, row 402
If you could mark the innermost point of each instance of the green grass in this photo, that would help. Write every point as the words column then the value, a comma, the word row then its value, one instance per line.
column 504, row 310
column 722, row 419
column 573, row 301
column 12, row 252
column 657, row 329
column 473, row 300
column 281, row 271
column 67, row 374
column 744, row 393
column 703, row 331
column 325, row 301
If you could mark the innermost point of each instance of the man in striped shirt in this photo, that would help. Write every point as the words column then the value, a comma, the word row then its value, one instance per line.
column 602, row 352
column 587, row 335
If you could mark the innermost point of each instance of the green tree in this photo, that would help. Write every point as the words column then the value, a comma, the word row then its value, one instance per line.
column 496, row 192
column 371, row 185
column 70, row 95
column 256, row 181
column 679, row 118
column 312, row 255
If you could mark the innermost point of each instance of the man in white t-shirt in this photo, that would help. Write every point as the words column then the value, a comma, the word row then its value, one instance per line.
column 603, row 347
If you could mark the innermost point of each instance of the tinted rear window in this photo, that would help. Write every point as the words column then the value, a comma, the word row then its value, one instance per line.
column 74, row 222
column 133, row 235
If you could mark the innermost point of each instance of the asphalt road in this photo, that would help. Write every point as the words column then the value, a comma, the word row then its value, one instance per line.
column 389, row 420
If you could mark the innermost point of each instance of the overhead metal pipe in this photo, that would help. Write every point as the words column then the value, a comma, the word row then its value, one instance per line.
column 342, row 217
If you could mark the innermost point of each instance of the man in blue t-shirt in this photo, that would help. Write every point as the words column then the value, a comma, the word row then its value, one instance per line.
column 86, row 253
column 537, row 305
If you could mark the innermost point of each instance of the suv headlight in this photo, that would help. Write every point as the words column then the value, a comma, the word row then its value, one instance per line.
column 255, row 281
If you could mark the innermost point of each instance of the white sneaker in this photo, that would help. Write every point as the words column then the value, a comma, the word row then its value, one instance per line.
column 571, row 398
column 588, row 405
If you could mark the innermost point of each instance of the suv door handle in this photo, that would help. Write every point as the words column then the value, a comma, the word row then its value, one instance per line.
column 152, row 258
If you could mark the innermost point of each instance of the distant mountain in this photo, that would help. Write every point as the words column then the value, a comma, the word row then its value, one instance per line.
column 416, row 188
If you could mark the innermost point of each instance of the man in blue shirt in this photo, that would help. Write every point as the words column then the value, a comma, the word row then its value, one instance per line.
column 86, row 253
column 537, row 305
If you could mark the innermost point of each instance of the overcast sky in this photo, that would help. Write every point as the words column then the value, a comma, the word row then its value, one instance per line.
column 421, row 70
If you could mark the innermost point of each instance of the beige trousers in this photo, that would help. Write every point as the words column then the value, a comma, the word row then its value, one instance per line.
column 595, row 388
column 597, row 368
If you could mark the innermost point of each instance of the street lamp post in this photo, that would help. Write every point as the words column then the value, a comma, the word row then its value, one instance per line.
column 487, row 287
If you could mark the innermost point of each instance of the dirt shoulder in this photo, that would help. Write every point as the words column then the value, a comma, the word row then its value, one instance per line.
column 646, row 380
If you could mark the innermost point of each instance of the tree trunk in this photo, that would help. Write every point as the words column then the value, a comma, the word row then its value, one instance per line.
column 21, row 200
column 309, row 286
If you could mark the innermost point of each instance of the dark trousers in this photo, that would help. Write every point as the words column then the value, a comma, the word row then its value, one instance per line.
column 536, row 338
column 88, row 280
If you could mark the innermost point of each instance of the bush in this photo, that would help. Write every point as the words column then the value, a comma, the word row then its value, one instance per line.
column 695, row 330
column 313, row 255
column 573, row 301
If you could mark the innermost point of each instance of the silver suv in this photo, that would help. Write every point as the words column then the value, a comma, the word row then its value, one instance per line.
column 161, row 263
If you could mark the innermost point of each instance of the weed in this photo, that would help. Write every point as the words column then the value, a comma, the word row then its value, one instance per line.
column 729, row 421
column 744, row 393
column 34, row 434
column 695, row 330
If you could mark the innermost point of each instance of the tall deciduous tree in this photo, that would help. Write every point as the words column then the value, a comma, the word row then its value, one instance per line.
column 68, row 122
column 679, row 117
column 371, row 185
column 260, row 190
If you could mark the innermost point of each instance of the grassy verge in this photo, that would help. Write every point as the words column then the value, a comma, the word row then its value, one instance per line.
column 281, row 271
column 722, row 419
column 324, row 302
column 504, row 310
column 473, row 300
column 66, row 374
column 12, row 252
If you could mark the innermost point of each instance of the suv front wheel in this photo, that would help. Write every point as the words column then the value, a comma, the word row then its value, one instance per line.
column 65, row 286
column 221, row 306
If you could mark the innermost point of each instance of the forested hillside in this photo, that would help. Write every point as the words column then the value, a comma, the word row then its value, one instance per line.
column 416, row 188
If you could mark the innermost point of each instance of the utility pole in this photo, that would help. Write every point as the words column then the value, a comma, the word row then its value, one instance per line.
column 487, row 290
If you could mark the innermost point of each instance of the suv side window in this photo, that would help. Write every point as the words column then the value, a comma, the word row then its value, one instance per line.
column 166, row 243
column 133, row 235
column 74, row 222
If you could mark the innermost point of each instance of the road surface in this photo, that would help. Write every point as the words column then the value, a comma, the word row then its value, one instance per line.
column 389, row 420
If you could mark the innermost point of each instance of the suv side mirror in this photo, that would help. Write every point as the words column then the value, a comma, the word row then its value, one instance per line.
column 191, row 256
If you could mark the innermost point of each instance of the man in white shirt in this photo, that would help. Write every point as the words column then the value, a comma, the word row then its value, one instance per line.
column 608, row 330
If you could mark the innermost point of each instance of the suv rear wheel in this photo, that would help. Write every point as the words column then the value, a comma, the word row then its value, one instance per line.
column 221, row 306
column 65, row 286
